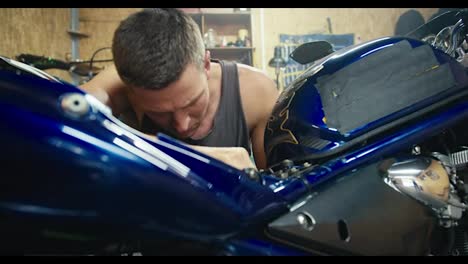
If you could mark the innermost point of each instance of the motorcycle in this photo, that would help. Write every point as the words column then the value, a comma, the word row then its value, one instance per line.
column 367, row 155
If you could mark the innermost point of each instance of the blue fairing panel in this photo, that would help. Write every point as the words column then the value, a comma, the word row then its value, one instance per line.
column 61, row 167
column 356, row 91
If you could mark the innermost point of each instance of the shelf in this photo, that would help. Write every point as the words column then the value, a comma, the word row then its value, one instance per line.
column 77, row 34
column 242, row 55
column 233, row 14
column 220, row 15
column 231, row 48
column 226, row 25
column 225, row 13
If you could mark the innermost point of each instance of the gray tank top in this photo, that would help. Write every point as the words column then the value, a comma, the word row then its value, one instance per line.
column 230, row 128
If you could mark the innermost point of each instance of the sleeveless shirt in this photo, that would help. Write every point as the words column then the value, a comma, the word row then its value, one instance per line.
column 229, row 127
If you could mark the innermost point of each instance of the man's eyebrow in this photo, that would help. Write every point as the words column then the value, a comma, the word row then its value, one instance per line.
column 190, row 103
column 193, row 100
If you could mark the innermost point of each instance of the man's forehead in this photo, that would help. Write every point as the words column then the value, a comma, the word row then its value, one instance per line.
column 166, row 99
column 175, row 95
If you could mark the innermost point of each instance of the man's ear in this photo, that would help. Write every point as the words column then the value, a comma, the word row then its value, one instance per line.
column 207, row 62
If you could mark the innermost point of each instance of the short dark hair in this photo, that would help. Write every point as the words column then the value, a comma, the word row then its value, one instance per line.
column 151, row 48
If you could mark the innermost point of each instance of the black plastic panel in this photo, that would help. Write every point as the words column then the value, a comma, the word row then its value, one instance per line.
column 358, row 215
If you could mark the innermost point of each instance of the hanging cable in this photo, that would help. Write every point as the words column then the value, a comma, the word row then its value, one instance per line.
column 92, row 59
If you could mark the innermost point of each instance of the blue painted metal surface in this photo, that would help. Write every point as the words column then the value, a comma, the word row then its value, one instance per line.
column 98, row 169
column 300, row 109
column 389, row 145
column 257, row 247
column 95, row 170
column 293, row 188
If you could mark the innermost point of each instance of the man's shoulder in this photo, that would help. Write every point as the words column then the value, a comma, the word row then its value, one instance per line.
column 258, row 93
column 244, row 68
column 252, row 76
column 254, row 79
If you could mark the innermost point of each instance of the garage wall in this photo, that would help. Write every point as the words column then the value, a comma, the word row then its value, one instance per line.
column 43, row 31
column 38, row 31
column 365, row 23
column 100, row 24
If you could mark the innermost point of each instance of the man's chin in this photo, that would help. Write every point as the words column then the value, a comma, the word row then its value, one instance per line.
column 186, row 135
column 191, row 135
column 197, row 138
column 177, row 135
column 182, row 137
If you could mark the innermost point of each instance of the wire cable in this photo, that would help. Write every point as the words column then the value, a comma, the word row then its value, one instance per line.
column 92, row 59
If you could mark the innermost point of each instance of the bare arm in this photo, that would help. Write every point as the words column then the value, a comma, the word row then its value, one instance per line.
column 255, row 85
column 237, row 157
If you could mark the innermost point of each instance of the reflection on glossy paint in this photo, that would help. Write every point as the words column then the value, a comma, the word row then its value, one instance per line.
column 147, row 148
column 279, row 189
column 359, row 155
column 95, row 141
column 301, row 203
column 93, row 101
column 185, row 152
column 41, row 210
column 409, row 182
column 155, row 152
column 407, row 171
column 59, row 143
column 140, row 154
column 104, row 158
column 374, row 50
column 313, row 70
column 357, row 47
column 113, row 128
column 75, row 149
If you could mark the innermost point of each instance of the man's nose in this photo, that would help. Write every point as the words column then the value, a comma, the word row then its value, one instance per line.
column 181, row 122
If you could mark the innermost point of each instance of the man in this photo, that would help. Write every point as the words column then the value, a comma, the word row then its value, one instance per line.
column 165, row 81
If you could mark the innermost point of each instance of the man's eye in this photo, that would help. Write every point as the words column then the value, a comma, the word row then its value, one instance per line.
column 159, row 115
column 191, row 106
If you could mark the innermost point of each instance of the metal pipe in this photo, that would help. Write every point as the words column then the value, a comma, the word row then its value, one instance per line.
column 75, row 43
column 262, row 37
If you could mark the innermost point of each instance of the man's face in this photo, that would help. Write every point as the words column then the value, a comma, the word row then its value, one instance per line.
column 180, row 107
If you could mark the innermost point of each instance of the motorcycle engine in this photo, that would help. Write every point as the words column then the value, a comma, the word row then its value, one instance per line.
column 432, row 181
column 436, row 174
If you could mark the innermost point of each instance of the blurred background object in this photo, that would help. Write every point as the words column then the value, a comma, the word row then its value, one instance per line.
column 408, row 21
column 277, row 62
column 50, row 32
